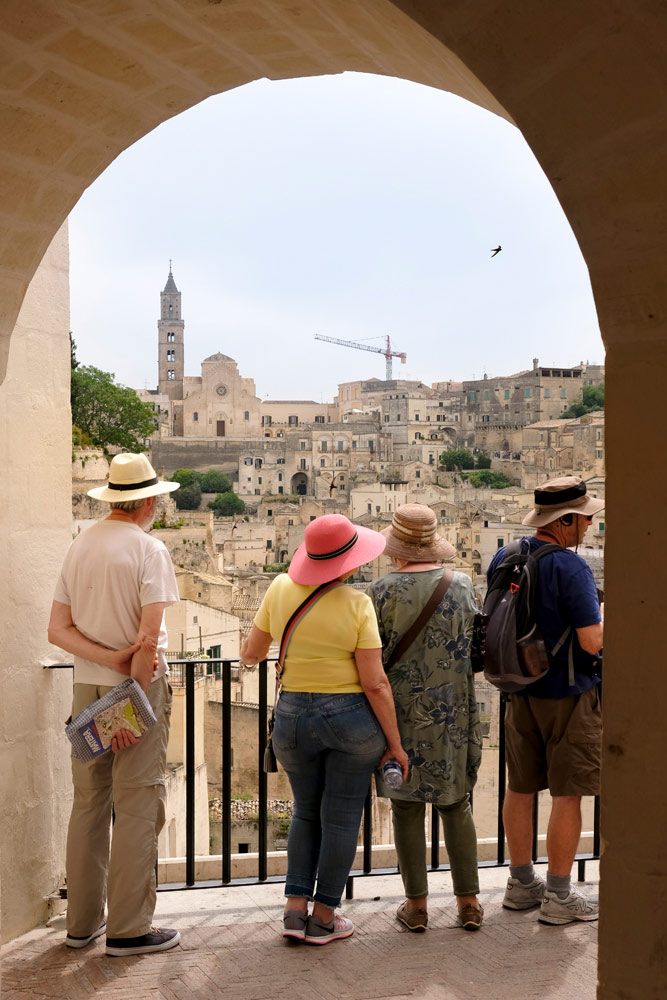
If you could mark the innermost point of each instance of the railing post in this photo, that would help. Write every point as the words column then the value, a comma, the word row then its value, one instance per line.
column 501, row 781
column 262, row 782
column 435, row 839
column 226, row 772
column 190, row 774
column 368, row 832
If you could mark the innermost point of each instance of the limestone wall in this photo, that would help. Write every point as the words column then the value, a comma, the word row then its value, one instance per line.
column 35, row 456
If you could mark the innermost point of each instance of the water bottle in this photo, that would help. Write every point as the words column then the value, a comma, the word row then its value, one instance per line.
column 392, row 774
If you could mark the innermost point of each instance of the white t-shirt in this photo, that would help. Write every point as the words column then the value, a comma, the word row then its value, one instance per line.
column 111, row 570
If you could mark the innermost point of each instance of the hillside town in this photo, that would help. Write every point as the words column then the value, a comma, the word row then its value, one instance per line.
column 378, row 444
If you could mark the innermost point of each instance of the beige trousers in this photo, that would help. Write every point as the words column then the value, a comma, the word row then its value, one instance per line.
column 117, row 866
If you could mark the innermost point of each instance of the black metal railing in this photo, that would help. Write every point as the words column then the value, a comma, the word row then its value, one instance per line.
column 191, row 670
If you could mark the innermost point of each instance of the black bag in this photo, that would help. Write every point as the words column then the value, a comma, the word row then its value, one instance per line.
column 515, row 654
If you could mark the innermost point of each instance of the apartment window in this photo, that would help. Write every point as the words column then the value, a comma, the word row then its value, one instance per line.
column 293, row 421
column 323, row 462
column 319, row 420
column 280, row 477
column 598, row 452
column 280, row 489
column 601, row 527
column 195, row 619
column 257, row 492
column 259, row 480
column 258, row 463
column 340, row 445
column 269, row 513
column 323, row 445
column 371, row 446
column 476, row 538
column 302, row 445
column 302, row 464
column 269, row 543
column 246, row 415
column 507, row 394
column 398, row 416
column 354, row 445
column 418, row 474
column 280, row 461
column 526, row 393
column 249, row 479
column 339, row 463
column 370, row 508
column 247, row 461
column 290, row 522
column 195, row 416
column 546, row 393
column 563, row 394
column 386, row 418
column 416, row 416
column 486, row 394
column 471, row 397
column 266, row 421
column 499, row 542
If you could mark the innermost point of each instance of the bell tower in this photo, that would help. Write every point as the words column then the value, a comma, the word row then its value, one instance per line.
column 170, row 341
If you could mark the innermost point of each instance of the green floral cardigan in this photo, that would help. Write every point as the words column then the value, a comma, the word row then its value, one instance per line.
column 433, row 685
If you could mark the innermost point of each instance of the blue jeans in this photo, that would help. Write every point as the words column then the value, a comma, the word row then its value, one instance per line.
column 329, row 745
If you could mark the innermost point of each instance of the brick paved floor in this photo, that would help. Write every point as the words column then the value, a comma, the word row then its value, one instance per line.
column 232, row 950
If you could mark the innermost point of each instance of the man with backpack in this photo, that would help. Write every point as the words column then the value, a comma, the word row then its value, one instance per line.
column 553, row 717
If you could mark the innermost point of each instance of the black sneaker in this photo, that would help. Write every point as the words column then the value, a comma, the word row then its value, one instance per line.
column 155, row 940
column 81, row 942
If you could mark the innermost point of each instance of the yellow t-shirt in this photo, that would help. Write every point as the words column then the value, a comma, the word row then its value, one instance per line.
column 320, row 656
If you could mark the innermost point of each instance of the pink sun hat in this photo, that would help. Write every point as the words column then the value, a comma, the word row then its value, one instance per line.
column 332, row 546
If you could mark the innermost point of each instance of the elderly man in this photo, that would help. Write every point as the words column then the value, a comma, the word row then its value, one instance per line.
column 553, row 729
column 108, row 612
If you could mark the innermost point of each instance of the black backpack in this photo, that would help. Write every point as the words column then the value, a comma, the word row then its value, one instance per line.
column 515, row 654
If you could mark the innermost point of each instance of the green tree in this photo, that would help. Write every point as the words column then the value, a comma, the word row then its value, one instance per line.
column 484, row 477
column 483, row 461
column 592, row 398
column 226, row 504
column 186, row 477
column 458, row 458
column 188, row 497
column 110, row 413
column 215, row 482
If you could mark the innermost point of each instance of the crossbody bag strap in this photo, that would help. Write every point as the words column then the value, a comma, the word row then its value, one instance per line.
column 294, row 620
column 409, row 637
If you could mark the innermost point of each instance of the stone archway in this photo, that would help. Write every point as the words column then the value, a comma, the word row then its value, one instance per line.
column 299, row 484
column 584, row 83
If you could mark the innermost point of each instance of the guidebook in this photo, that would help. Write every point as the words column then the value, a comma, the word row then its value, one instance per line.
column 124, row 707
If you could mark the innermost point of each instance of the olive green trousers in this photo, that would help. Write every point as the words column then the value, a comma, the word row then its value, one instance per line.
column 117, row 865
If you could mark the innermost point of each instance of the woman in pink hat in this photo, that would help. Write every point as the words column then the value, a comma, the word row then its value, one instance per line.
column 335, row 718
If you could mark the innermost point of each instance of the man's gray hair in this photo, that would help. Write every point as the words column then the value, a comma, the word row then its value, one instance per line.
column 128, row 505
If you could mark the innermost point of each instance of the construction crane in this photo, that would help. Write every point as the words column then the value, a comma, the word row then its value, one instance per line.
column 387, row 350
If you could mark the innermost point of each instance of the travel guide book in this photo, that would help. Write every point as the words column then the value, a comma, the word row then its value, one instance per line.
column 124, row 707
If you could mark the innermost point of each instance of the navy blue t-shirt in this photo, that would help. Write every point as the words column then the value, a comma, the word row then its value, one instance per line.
column 566, row 595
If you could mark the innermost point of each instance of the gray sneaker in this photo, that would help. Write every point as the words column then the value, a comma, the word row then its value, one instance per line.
column 519, row 896
column 575, row 906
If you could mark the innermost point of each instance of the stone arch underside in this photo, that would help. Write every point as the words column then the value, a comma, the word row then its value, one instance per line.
column 587, row 86
column 80, row 84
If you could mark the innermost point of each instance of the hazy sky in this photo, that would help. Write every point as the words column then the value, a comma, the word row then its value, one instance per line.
column 353, row 206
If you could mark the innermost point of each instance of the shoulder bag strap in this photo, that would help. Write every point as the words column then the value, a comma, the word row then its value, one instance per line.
column 292, row 623
column 409, row 637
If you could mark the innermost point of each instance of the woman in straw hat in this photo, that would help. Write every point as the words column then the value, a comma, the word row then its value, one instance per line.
column 335, row 718
column 434, row 692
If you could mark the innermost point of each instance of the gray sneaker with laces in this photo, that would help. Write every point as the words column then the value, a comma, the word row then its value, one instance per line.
column 575, row 906
column 519, row 896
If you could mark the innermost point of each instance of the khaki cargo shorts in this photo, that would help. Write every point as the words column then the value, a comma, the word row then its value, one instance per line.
column 554, row 743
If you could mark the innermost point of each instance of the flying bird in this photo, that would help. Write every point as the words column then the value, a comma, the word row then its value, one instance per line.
column 496, row 250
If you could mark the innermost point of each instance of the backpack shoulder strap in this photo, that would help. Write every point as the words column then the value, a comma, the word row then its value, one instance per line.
column 409, row 637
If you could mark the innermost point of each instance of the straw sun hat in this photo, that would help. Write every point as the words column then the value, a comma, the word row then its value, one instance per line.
column 332, row 546
column 131, row 477
column 564, row 495
column 413, row 535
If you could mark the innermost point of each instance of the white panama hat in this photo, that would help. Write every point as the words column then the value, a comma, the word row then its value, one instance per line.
column 131, row 477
